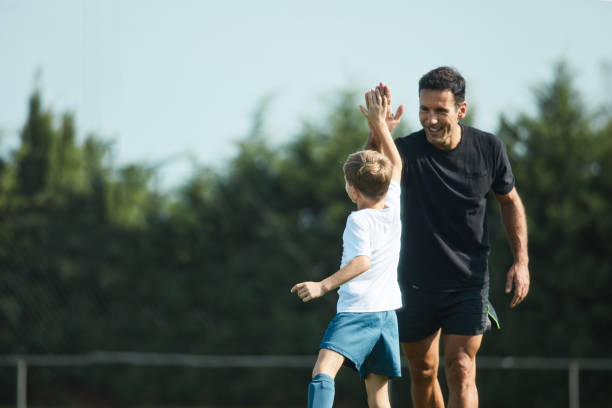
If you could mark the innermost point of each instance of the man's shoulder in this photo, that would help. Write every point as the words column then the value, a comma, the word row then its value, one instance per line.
column 411, row 144
column 481, row 136
column 414, row 137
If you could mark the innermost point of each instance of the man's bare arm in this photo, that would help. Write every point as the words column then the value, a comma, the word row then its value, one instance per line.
column 371, row 143
column 515, row 221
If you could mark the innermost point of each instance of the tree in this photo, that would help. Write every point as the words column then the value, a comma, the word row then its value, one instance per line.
column 561, row 160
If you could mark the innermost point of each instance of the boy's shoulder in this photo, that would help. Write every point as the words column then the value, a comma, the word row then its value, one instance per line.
column 358, row 218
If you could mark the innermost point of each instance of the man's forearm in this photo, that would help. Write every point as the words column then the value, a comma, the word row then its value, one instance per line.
column 372, row 143
column 515, row 221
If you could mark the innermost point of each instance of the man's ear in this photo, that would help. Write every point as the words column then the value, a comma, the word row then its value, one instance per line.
column 462, row 110
column 356, row 192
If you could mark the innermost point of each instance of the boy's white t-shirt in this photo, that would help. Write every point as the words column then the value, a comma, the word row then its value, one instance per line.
column 376, row 234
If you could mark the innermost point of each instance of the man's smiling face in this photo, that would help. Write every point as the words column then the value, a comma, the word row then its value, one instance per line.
column 440, row 115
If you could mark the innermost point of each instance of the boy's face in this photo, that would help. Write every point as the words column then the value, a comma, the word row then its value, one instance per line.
column 350, row 191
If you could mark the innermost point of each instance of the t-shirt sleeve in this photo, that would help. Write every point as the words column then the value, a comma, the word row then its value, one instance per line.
column 503, row 178
column 393, row 195
column 356, row 239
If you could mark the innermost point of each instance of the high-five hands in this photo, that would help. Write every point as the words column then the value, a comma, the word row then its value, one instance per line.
column 391, row 120
column 376, row 111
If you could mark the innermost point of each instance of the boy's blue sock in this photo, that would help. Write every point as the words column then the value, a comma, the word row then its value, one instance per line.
column 321, row 392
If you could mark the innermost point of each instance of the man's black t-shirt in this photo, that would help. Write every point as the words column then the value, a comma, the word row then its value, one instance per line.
column 445, row 242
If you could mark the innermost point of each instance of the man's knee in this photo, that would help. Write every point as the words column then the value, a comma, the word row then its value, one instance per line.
column 460, row 359
column 423, row 370
column 460, row 369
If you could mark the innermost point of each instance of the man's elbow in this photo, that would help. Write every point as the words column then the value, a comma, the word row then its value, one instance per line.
column 509, row 199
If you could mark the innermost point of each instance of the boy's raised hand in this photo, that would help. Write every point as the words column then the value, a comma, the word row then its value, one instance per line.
column 376, row 111
column 391, row 120
column 308, row 290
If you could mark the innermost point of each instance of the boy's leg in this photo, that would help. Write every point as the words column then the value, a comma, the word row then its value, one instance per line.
column 321, row 389
column 377, row 388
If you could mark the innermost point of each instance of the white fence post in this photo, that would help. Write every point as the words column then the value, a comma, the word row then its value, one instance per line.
column 574, row 384
column 22, row 383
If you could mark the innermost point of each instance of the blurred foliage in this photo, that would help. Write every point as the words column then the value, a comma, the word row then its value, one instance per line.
column 93, row 257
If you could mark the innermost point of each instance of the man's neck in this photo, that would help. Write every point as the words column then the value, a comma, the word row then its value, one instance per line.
column 453, row 141
column 456, row 137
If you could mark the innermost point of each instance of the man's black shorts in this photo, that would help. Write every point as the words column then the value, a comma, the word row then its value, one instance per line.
column 465, row 311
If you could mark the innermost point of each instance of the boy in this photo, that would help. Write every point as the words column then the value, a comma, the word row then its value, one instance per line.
column 364, row 330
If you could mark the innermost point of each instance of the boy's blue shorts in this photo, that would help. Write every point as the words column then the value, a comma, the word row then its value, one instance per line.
column 369, row 341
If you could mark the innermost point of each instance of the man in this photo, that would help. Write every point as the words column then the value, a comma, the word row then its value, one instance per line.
column 448, row 170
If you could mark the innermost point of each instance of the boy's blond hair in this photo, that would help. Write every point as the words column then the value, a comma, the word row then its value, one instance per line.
column 370, row 172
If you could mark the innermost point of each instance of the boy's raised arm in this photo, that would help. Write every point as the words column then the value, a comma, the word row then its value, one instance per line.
column 392, row 119
column 376, row 113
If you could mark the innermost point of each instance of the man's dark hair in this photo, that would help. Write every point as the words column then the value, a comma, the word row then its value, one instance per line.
column 443, row 78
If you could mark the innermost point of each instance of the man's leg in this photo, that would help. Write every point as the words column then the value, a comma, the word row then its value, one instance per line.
column 460, row 368
column 423, row 358
column 321, row 389
column 377, row 388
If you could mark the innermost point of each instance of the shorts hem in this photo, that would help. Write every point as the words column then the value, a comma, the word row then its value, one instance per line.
column 464, row 332
column 412, row 339
column 389, row 376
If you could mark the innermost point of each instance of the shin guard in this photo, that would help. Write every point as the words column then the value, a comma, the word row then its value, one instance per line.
column 321, row 392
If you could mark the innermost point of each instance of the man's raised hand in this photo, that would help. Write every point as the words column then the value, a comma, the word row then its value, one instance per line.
column 391, row 119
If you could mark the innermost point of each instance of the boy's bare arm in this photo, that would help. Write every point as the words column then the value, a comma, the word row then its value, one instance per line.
column 376, row 112
column 312, row 290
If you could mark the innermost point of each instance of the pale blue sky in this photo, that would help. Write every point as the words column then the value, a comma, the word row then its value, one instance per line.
column 162, row 78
